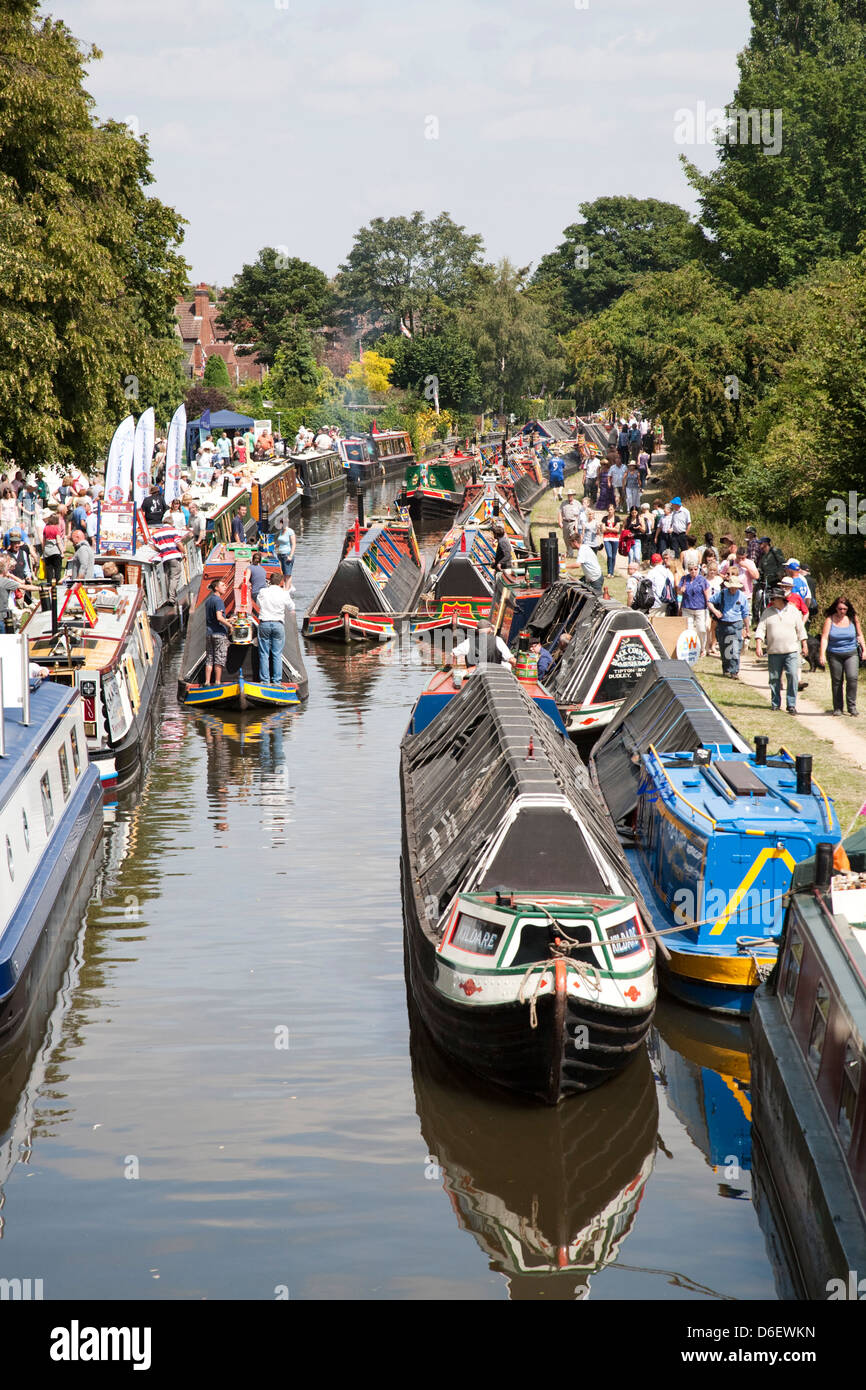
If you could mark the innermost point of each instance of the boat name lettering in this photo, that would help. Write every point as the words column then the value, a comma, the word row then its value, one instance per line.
column 624, row 938
column 475, row 935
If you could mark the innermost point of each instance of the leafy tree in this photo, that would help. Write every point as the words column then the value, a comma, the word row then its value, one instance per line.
column 408, row 267
column 272, row 297
column 509, row 335
column 89, row 266
column 372, row 374
column 618, row 239
column 294, row 377
column 216, row 373
column 446, row 358
column 199, row 398
column 789, row 192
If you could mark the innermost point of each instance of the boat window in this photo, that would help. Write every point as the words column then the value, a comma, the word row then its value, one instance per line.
column 76, row 757
column 849, row 1092
column 47, row 806
column 818, row 1030
column 793, row 961
column 26, row 824
column 9, row 859
column 64, row 771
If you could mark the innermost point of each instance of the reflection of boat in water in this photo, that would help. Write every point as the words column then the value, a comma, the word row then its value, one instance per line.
column 703, row 1061
column 549, row 1195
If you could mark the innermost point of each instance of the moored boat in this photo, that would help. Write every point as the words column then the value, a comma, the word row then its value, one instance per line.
column 240, row 687
column 51, row 818
column 275, row 495
column 321, row 476
column 433, row 488
column 369, row 457
column 461, row 583
column 607, row 649
column 809, row 1081
column 378, row 580
column 219, row 504
column 145, row 569
column 526, row 954
column 101, row 642
column 714, row 833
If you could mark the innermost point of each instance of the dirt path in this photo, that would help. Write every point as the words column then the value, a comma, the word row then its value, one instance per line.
column 812, row 716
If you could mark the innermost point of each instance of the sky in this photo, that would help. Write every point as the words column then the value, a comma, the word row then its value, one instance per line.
column 292, row 123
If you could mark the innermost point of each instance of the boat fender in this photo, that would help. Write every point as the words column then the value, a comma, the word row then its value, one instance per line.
column 352, row 609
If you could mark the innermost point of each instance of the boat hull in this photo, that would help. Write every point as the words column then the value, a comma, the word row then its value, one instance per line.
column 240, row 695
column 122, row 765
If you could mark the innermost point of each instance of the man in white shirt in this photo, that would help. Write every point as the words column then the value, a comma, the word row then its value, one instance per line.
column 681, row 520
column 660, row 577
column 274, row 605
column 482, row 648
column 590, row 479
column 323, row 440
column 588, row 559
column 571, row 518
column 616, row 478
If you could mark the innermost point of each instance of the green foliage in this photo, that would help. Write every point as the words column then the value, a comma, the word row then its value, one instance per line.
column 509, row 335
column 250, row 399
column 618, row 239
column 272, row 298
column 89, row 267
column 446, row 358
column 408, row 267
column 216, row 373
column 294, row 378
column 199, row 398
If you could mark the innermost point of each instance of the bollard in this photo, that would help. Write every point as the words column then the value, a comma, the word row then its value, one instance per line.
column 761, row 741
column 804, row 774
column 360, row 508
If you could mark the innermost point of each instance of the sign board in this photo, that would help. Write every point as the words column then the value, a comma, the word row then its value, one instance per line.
column 688, row 646
column 115, row 523
column 15, row 666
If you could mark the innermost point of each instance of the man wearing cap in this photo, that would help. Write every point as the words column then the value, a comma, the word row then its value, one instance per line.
column 681, row 520
column 782, row 631
column 730, row 607
column 571, row 516
column 798, row 583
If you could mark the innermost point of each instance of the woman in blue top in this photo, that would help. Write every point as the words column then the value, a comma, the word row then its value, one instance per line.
column 694, row 589
column 842, row 647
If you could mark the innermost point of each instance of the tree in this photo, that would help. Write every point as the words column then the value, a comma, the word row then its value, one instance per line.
column 89, row 265
column 443, row 360
column 216, row 373
column 509, row 335
column 618, row 239
column 372, row 374
column 294, row 378
column 272, row 297
column 199, row 398
column 404, row 267
column 788, row 191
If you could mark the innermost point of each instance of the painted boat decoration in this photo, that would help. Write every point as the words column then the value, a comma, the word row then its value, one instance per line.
column 462, row 583
column 489, row 501
column 609, row 648
column 556, row 1214
column 102, row 644
column 716, row 832
column 809, row 1088
column 321, row 476
column 240, row 687
column 526, row 954
column 275, row 495
column 369, row 457
column 433, row 488
column 378, row 580
column 51, row 817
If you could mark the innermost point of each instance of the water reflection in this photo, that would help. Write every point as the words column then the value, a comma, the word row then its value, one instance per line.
column 246, row 761
column 703, row 1060
column 549, row 1194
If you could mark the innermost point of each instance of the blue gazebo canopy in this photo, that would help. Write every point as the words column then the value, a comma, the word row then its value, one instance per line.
column 219, row 420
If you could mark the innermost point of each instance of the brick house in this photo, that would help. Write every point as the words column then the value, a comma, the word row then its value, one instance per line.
column 202, row 338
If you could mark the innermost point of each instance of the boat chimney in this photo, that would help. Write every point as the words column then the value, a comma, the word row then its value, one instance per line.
column 823, row 864
column 226, row 481
column 804, row 774
column 360, row 509
column 549, row 548
column 761, row 741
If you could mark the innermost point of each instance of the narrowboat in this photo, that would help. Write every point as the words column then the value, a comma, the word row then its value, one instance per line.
column 240, row 687
column 145, row 569
column 219, row 504
column 444, row 685
column 275, row 494
column 606, row 650
column 526, row 953
column 433, row 488
column 378, row 580
column 809, row 1080
column 51, row 819
column 692, row 817
column 461, row 584
column 489, row 501
column 556, row 1212
column 369, row 457
column 101, row 642
column 525, row 476
column 321, row 476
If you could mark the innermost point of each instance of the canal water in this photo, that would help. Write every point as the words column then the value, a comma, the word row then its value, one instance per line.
column 223, row 1097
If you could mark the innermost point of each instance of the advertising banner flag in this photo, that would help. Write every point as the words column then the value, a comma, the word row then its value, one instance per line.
column 118, row 470
column 143, row 455
column 174, row 454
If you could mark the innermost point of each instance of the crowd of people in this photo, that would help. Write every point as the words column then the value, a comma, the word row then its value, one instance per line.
column 731, row 592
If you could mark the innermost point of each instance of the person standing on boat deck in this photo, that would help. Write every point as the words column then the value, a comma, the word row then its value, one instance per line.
column 274, row 605
column 153, row 507
column 587, row 558
column 81, row 564
column 217, row 629
column 482, row 648
column 238, row 531
column 504, row 557
column 9, row 583
column 781, row 630
column 286, row 542
column 258, row 575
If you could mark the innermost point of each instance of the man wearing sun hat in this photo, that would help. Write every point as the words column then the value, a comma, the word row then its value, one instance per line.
column 730, row 607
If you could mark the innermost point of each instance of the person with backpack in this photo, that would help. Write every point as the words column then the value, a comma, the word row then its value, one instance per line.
column 644, row 593
column 662, row 583
column 730, row 607
column 694, row 590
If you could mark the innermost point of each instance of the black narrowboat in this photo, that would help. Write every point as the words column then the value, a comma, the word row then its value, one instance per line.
column 369, row 457
column 379, row 578
column 321, row 476
column 526, row 951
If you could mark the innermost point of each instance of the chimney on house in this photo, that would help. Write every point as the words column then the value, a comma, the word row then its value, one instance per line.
column 202, row 299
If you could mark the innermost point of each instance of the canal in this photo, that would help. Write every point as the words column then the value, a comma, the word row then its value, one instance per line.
column 221, row 1098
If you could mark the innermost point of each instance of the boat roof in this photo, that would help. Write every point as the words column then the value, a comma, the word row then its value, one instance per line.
column 115, row 606
column 272, row 469
column 49, row 703
column 211, row 500
column 604, row 634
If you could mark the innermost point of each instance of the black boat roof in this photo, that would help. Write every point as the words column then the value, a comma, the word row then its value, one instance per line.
column 490, row 747
column 667, row 708
column 593, row 623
